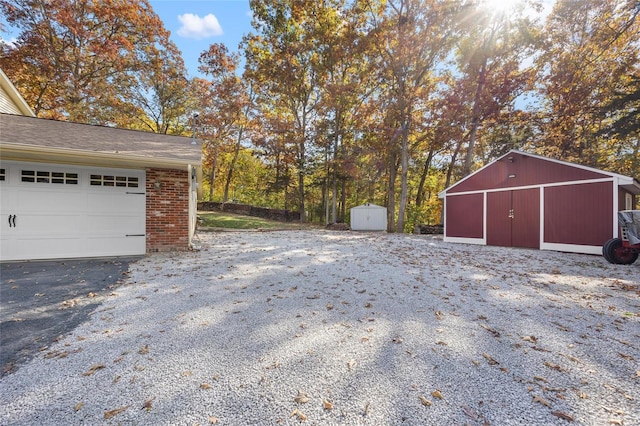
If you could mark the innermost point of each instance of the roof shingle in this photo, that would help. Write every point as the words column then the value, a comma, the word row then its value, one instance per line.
column 16, row 130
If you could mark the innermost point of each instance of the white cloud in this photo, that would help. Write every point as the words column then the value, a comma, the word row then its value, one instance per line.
column 193, row 26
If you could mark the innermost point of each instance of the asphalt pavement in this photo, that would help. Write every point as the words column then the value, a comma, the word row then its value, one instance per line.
column 40, row 301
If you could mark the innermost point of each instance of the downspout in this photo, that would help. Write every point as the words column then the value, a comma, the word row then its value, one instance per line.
column 193, row 205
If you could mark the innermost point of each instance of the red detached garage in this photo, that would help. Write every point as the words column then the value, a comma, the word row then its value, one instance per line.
column 524, row 200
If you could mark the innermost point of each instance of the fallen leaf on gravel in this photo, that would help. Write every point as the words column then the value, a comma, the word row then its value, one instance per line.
column 469, row 412
column 93, row 369
column 490, row 360
column 553, row 366
column 68, row 304
column 438, row 315
column 540, row 379
column 532, row 339
column 109, row 414
column 490, row 330
column 92, row 295
column 627, row 357
column 570, row 357
column 436, row 394
column 301, row 398
column 561, row 326
column 299, row 414
column 213, row 420
column 327, row 404
column 562, row 415
column 205, row 386
column 78, row 406
column 144, row 350
column 352, row 363
column 542, row 401
column 147, row 404
column 186, row 374
column 425, row 401
column 329, row 306
column 615, row 422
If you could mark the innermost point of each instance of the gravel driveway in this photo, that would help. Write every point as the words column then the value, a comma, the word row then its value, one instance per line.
column 320, row 327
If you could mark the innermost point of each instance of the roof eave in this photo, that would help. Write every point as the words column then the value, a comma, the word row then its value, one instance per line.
column 631, row 185
column 18, row 152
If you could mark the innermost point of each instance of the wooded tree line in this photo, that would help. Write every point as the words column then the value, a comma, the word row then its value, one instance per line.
column 327, row 104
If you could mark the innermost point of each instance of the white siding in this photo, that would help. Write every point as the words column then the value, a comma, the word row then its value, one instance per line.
column 6, row 104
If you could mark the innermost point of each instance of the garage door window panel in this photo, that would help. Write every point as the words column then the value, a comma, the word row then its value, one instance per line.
column 43, row 176
column 114, row 181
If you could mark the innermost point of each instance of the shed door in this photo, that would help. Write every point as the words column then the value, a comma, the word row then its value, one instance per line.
column 513, row 218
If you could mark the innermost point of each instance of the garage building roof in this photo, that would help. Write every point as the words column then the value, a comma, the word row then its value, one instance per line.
column 28, row 138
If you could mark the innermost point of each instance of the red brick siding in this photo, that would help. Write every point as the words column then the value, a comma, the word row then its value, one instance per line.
column 167, row 210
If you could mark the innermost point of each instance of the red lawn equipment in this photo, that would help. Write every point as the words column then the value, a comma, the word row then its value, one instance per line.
column 625, row 250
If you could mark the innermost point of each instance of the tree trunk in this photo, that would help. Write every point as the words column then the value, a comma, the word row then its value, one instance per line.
column 232, row 166
column 214, row 166
column 334, row 195
column 391, row 190
column 447, row 182
column 325, row 188
column 404, row 177
column 343, row 200
column 423, row 179
column 475, row 118
column 301, row 165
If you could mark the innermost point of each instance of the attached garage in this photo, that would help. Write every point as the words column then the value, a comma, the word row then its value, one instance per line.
column 76, row 190
column 524, row 200
column 70, row 211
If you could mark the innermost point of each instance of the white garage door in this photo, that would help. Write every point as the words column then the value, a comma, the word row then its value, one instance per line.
column 56, row 211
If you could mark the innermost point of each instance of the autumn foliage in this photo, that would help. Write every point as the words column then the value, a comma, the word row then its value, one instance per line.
column 344, row 102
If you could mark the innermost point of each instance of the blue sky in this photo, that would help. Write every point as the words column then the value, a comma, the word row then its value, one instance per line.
column 195, row 24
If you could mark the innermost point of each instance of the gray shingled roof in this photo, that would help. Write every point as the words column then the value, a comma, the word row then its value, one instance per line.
column 19, row 130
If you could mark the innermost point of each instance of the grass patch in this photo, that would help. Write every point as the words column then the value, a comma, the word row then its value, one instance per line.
column 236, row 221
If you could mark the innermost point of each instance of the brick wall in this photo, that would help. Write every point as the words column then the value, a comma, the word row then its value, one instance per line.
column 167, row 210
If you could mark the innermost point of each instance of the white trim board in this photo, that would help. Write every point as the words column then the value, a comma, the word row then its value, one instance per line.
column 542, row 185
